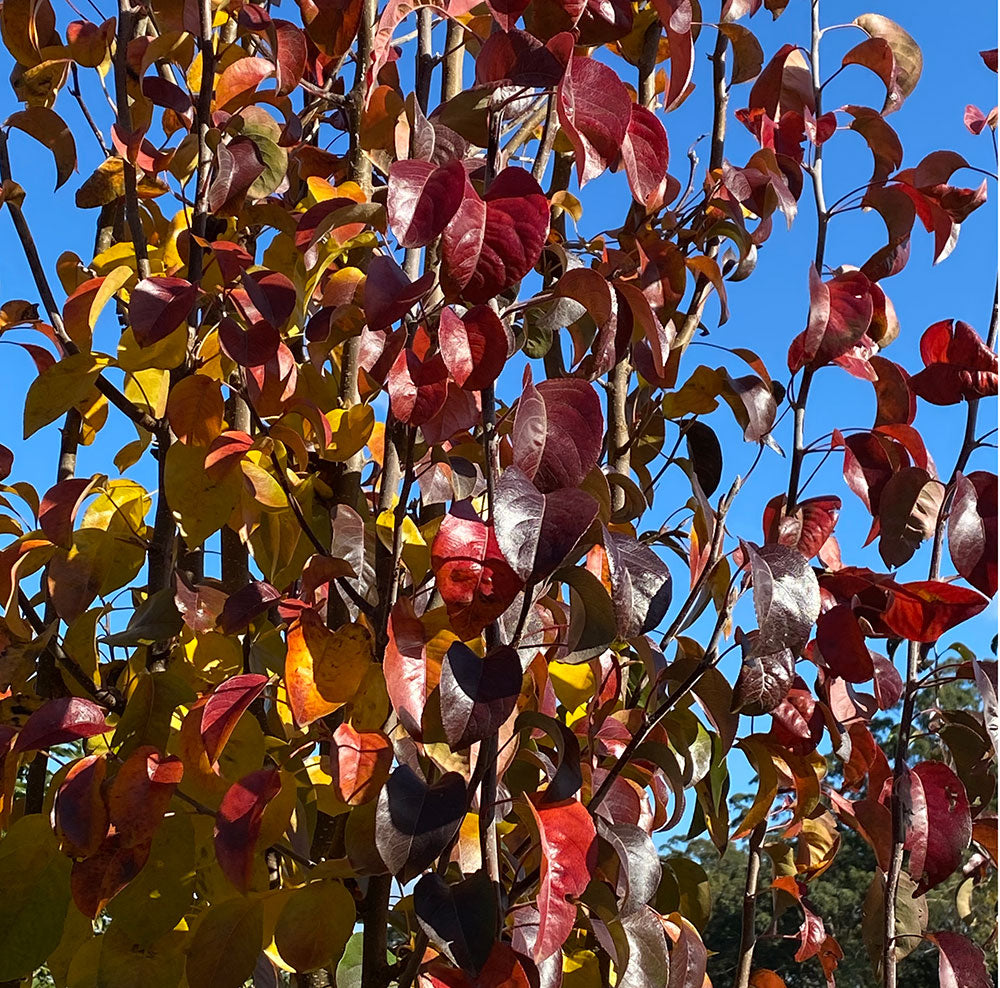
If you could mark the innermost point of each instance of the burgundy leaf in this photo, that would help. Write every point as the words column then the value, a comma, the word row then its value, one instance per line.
column 474, row 346
column 516, row 58
column 536, row 532
column 640, row 584
column 807, row 529
column 939, row 825
column 247, row 603
column 477, row 694
column 389, row 294
column 957, row 365
column 840, row 312
column 972, row 529
column 237, row 824
column 558, row 432
column 841, row 642
column 80, row 814
column 59, row 721
column 785, row 597
column 157, row 306
column 422, row 199
column 494, row 241
column 414, row 822
column 248, row 348
column 225, row 707
column 645, row 155
column 595, row 110
column 764, row 680
column 460, row 919
column 417, row 388
column 961, row 963
column 59, row 506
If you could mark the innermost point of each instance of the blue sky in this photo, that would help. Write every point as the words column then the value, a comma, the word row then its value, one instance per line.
column 768, row 309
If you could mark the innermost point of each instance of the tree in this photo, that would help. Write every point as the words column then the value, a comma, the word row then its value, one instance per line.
column 368, row 664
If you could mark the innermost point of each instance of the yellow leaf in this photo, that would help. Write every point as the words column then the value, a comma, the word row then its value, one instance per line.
column 351, row 428
column 324, row 669
column 573, row 683
column 200, row 505
column 266, row 489
column 65, row 384
column 112, row 283
column 195, row 409
column 581, row 970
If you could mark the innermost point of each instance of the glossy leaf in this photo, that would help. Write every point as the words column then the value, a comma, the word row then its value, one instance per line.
column 477, row 694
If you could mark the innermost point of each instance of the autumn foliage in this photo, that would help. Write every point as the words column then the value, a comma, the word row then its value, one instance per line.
column 362, row 658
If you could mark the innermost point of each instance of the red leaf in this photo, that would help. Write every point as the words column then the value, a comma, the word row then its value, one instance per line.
column 141, row 792
column 961, row 963
column 939, row 825
column 67, row 718
column 59, row 506
column 423, row 198
column 96, row 880
column 359, row 764
column 157, row 306
column 516, row 58
column 248, row 348
column 558, row 432
column 840, row 312
column 291, row 55
column 807, row 529
column 569, row 856
column 389, row 294
column 842, row 645
column 417, row 388
column 925, row 610
column 474, row 346
column 80, row 813
column 237, row 823
column 506, row 12
column 645, row 155
column 473, row 578
column 408, row 677
column 224, row 708
column 957, row 365
column 595, row 111
column 798, row 720
column 493, row 242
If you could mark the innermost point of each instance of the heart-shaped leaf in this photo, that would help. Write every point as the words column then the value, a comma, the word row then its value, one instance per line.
column 477, row 694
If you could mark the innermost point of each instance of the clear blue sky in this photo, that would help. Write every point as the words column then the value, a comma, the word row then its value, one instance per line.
column 768, row 309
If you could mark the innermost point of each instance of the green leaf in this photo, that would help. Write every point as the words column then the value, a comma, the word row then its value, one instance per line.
column 34, row 876
column 315, row 925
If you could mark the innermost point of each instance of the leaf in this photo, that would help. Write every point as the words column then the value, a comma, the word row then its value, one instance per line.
column 314, row 925
column 808, row 529
column 906, row 53
column 48, row 128
column 417, row 388
column 460, row 919
column 961, row 963
column 473, row 578
column 359, row 764
column 645, row 154
column 141, row 792
column 648, row 961
column 595, row 111
column 96, row 880
column 478, row 695
column 764, row 680
column 908, row 512
column 224, row 708
column 536, row 532
column 248, row 603
column 324, row 669
column 840, row 312
column 923, row 611
column 238, row 824
column 157, row 306
column 195, row 410
column 957, row 365
column 876, row 54
column 56, row 390
column 35, row 879
column 415, row 822
column 558, row 433
column 225, row 944
column 939, row 824
column 972, row 529
column 492, row 242
column 911, row 919
column 59, row 508
column 199, row 502
column 640, row 584
column 423, row 198
column 688, row 959
column 785, row 597
column 841, row 643
column 389, row 294
column 569, row 856
column 705, row 454
column 748, row 56
column 474, row 346
column 60, row 721
column 80, row 814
